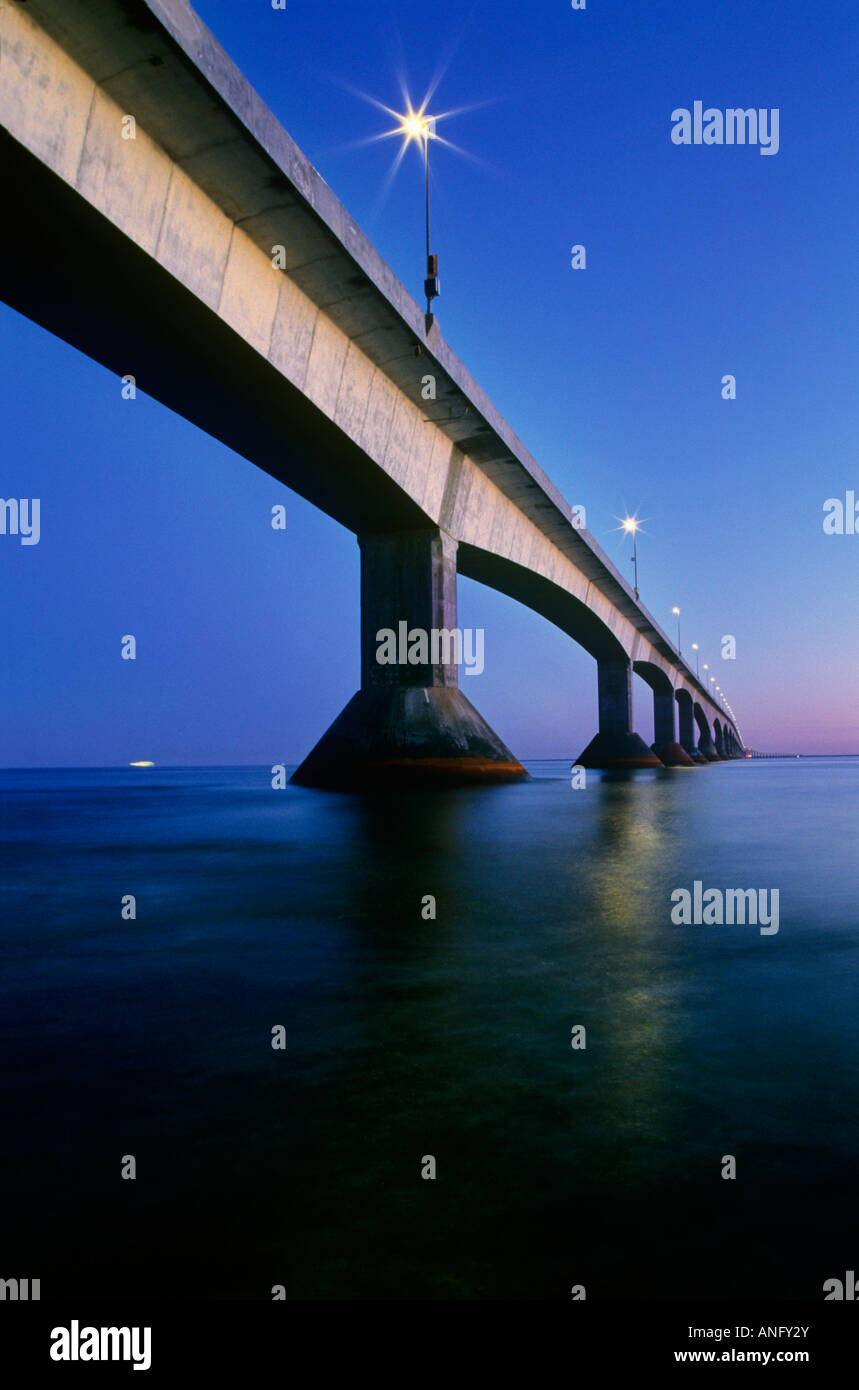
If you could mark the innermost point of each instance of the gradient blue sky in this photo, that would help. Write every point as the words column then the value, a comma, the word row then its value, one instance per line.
column 701, row 261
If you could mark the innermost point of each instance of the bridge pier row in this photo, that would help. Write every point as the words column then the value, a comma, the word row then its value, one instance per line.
column 616, row 745
column 409, row 723
column 665, row 744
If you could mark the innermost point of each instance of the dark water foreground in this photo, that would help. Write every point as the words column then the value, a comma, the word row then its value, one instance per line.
column 408, row 1037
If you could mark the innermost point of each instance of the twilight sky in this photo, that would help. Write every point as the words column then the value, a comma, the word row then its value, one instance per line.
column 701, row 261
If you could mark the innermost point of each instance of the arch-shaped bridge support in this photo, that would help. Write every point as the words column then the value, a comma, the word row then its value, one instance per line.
column 719, row 738
column 616, row 745
column 409, row 722
column 665, row 743
column 706, row 746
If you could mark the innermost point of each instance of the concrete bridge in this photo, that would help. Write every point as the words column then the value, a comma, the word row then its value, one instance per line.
column 161, row 220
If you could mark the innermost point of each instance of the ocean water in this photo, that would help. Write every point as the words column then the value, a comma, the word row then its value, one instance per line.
column 408, row 1038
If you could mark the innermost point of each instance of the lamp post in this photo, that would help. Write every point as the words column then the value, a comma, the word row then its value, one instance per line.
column 630, row 525
column 676, row 612
column 419, row 127
column 695, row 650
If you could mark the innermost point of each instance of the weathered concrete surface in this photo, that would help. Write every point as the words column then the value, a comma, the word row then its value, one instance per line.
column 155, row 256
column 407, row 577
column 410, row 734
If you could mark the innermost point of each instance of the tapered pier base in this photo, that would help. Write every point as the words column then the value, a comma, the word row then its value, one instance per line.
column 618, row 751
column 673, row 755
column 408, row 735
column 616, row 745
column 409, row 724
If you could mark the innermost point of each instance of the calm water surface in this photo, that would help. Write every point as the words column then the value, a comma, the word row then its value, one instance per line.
column 408, row 1037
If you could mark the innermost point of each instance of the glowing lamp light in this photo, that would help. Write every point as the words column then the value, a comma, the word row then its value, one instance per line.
column 416, row 126
column 630, row 525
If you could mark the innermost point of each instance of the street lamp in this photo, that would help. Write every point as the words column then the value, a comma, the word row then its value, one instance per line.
column 421, row 128
column 676, row 612
column 630, row 525
column 695, row 650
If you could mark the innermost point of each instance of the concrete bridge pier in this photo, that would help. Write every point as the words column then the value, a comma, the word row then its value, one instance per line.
column 706, row 746
column 719, row 739
column 665, row 744
column 686, row 727
column 409, row 723
column 616, row 745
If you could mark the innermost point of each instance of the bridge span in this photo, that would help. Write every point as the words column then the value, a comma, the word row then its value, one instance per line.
column 161, row 220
